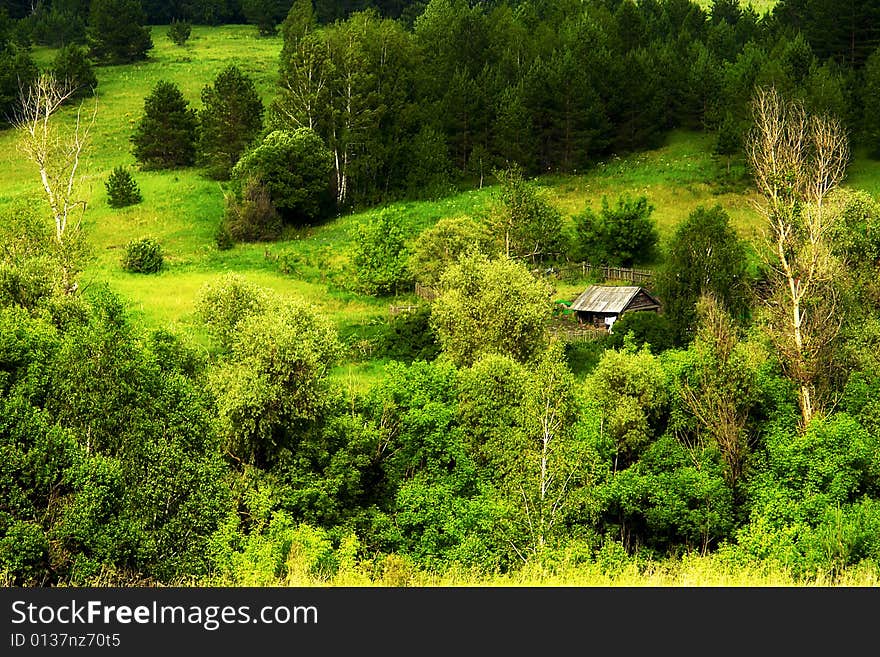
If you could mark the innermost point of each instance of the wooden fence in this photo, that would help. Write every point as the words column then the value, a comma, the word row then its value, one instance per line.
column 578, row 334
column 397, row 310
column 635, row 276
column 426, row 292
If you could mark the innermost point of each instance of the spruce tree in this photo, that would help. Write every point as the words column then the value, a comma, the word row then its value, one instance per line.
column 166, row 135
column 116, row 31
column 122, row 190
column 231, row 119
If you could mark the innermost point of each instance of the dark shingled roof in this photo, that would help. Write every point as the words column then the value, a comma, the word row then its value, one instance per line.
column 611, row 299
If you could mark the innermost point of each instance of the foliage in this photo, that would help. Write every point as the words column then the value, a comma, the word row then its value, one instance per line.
column 295, row 168
column 380, row 255
column 179, row 31
column 251, row 218
column 273, row 379
column 231, row 118
column 225, row 302
column 857, row 232
column 672, row 497
column 435, row 248
column 122, row 190
column 630, row 389
column 409, row 336
column 490, row 306
column 621, row 235
column 28, row 273
column 127, row 445
column 116, row 31
column 143, row 256
column 526, row 225
column 165, row 136
column 815, row 506
column 430, row 174
column 642, row 329
column 17, row 68
column 72, row 66
column 265, row 14
column 704, row 256
column 57, row 25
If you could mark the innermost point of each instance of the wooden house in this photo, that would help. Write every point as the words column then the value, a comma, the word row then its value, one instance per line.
column 602, row 305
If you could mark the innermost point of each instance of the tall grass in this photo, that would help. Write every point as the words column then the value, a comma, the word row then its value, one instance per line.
column 689, row 571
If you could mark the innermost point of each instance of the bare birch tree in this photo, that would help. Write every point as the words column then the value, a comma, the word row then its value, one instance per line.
column 797, row 160
column 57, row 153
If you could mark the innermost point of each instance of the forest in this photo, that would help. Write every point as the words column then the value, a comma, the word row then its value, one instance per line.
column 287, row 292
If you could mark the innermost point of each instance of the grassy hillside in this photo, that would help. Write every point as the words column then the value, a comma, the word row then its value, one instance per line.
column 182, row 208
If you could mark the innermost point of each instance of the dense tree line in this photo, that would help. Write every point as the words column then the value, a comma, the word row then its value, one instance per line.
column 470, row 88
column 408, row 106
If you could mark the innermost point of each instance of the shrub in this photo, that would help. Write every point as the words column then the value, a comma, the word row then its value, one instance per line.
column 253, row 217
column 295, row 167
column 646, row 328
column 122, row 190
column 224, row 303
column 380, row 255
column 223, row 237
column 143, row 256
column 409, row 336
column 621, row 235
column 179, row 31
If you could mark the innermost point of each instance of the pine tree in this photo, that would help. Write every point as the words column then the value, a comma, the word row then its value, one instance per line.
column 122, row 190
column 73, row 68
column 166, row 134
column 116, row 31
column 231, row 119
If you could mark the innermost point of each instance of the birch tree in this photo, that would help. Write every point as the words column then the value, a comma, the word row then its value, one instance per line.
column 57, row 152
column 551, row 467
column 797, row 159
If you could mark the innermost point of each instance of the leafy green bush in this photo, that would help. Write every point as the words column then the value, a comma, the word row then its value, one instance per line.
column 143, row 256
column 122, row 190
column 380, row 255
column 621, row 235
column 409, row 337
column 295, row 166
column 223, row 237
column 179, row 31
column 224, row 303
column 649, row 328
